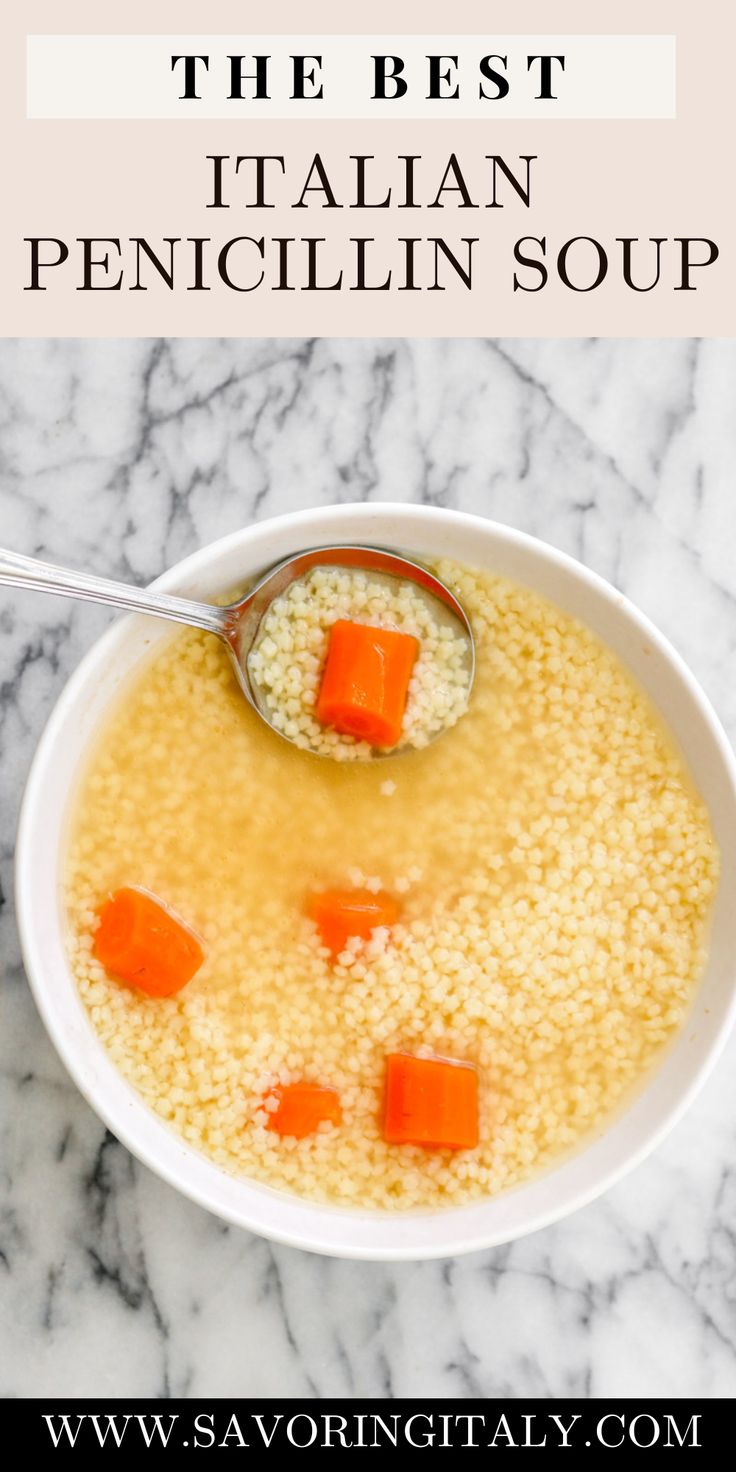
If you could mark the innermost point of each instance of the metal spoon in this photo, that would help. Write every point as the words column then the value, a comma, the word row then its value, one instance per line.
column 237, row 624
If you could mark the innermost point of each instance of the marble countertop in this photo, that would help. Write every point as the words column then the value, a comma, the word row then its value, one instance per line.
column 123, row 456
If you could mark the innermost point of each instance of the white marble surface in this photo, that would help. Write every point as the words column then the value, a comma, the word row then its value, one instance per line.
column 122, row 456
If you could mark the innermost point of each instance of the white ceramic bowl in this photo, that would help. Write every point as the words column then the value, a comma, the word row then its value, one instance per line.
column 53, row 780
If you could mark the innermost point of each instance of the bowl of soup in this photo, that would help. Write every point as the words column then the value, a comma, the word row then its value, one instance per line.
column 406, row 1003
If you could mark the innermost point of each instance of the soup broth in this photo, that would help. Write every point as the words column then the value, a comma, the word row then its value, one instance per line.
column 554, row 870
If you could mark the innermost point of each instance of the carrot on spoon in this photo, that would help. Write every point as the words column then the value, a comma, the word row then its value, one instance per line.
column 301, row 1108
column 143, row 943
column 431, row 1102
column 342, row 913
column 365, row 682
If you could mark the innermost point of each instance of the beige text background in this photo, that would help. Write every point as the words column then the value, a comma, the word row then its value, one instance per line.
column 600, row 178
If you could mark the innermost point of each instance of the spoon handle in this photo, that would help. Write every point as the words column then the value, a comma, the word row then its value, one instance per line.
column 27, row 572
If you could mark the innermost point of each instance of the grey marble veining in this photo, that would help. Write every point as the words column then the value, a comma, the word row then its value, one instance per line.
column 123, row 456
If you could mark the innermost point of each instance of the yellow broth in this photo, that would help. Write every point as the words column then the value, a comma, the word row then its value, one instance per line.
column 555, row 869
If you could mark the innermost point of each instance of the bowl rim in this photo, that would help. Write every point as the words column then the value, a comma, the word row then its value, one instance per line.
column 296, row 1231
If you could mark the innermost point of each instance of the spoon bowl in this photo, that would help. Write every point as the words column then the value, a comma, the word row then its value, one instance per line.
column 237, row 624
column 243, row 619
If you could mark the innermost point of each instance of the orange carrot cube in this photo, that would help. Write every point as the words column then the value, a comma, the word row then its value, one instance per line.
column 342, row 913
column 431, row 1102
column 144, row 944
column 365, row 682
column 301, row 1108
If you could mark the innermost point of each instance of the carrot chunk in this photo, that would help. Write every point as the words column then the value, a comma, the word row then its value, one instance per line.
column 141, row 942
column 365, row 682
column 301, row 1108
column 431, row 1102
column 341, row 913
